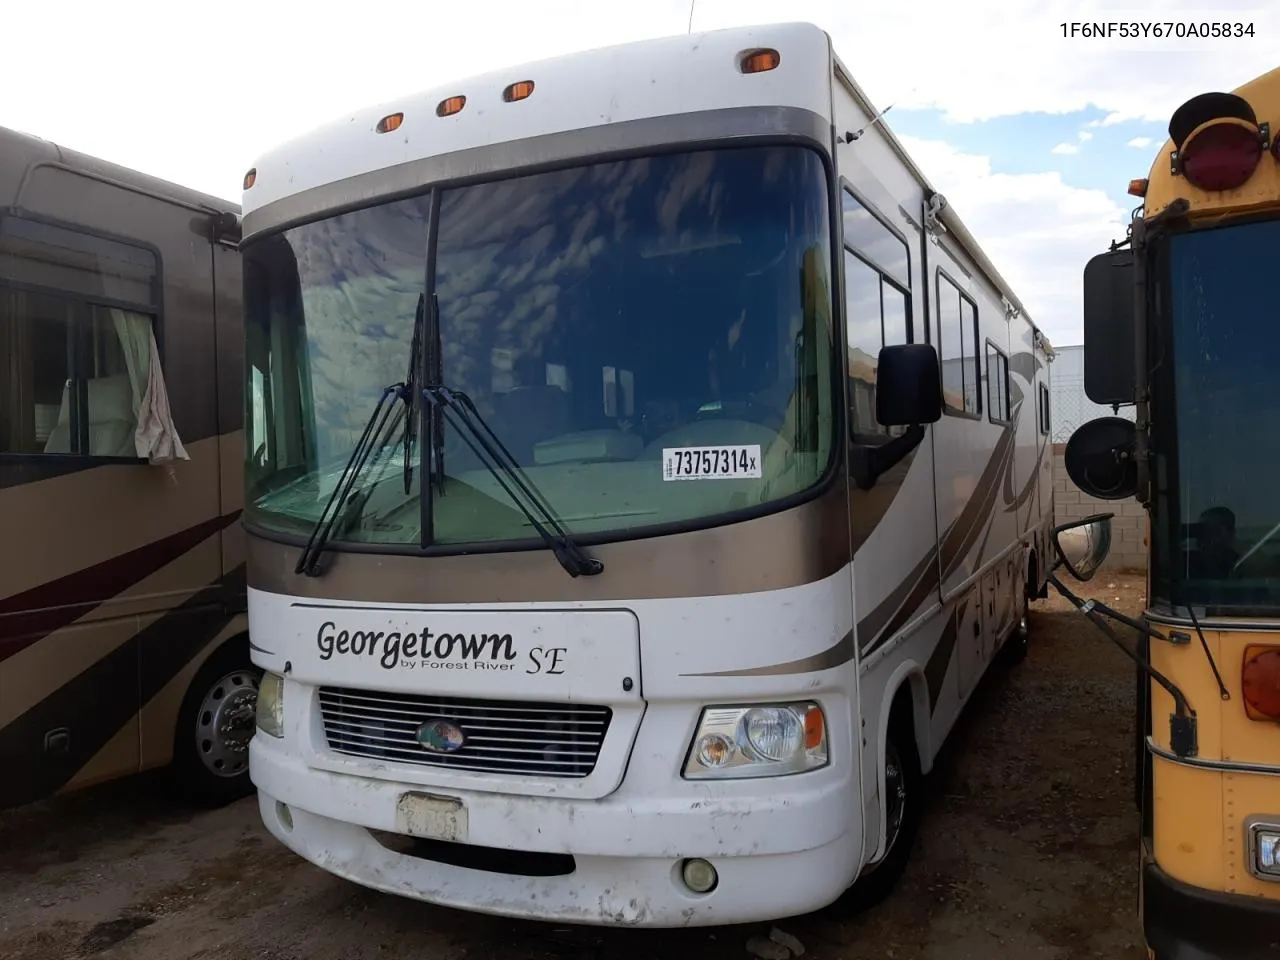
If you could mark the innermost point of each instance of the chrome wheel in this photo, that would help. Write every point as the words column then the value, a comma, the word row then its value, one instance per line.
column 225, row 723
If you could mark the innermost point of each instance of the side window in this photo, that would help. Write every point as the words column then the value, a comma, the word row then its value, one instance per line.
column 1044, row 409
column 77, row 315
column 997, row 385
column 877, row 310
column 957, row 340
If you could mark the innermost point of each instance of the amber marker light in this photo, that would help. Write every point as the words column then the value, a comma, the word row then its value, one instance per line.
column 758, row 61
column 450, row 106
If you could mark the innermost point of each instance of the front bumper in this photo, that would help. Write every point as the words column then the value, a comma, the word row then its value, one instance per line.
column 1181, row 922
column 787, row 847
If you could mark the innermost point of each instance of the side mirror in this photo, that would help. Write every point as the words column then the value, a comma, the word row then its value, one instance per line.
column 1083, row 545
column 1100, row 458
column 908, row 385
column 1109, row 328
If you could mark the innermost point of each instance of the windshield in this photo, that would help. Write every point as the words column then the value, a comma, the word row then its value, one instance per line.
column 621, row 326
column 1216, row 537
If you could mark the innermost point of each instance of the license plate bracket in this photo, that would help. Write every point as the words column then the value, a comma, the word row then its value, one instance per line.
column 432, row 817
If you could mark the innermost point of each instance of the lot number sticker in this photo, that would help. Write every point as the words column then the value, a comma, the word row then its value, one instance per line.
column 711, row 463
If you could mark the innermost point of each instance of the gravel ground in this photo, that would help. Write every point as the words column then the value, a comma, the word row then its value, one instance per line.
column 1028, row 850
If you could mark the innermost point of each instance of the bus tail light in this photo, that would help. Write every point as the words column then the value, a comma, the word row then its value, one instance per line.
column 1217, row 141
column 1221, row 155
column 1260, row 679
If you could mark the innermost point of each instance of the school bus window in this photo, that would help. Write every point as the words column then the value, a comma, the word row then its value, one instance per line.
column 77, row 340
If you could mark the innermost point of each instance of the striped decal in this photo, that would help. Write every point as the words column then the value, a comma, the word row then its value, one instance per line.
column 98, row 702
column 30, row 616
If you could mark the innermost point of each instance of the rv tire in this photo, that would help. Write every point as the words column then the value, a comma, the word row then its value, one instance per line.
column 903, row 778
column 210, row 765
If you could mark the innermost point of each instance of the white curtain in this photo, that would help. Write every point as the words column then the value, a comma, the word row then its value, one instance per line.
column 156, row 438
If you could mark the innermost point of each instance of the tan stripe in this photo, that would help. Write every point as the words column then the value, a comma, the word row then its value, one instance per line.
column 43, row 667
column 117, row 758
column 82, row 519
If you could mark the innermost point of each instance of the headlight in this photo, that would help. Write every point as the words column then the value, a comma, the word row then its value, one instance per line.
column 758, row 741
column 270, row 711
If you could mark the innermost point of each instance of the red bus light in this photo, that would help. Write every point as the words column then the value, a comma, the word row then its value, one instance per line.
column 1260, row 678
column 1221, row 155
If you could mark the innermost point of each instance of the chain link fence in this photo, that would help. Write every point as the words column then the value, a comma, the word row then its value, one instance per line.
column 1070, row 407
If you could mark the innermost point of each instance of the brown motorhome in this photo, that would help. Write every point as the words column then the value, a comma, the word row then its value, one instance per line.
column 123, row 637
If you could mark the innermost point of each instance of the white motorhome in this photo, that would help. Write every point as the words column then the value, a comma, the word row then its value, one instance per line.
column 619, row 549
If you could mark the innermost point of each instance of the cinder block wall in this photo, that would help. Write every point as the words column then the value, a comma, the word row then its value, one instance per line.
column 1128, row 526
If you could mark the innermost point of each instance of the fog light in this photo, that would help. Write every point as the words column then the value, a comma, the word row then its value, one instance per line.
column 1265, row 850
column 699, row 876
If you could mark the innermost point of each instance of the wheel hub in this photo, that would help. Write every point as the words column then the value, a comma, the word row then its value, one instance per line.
column 225, row 723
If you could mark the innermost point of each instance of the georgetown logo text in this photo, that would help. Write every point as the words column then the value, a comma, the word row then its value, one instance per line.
column 449, row 651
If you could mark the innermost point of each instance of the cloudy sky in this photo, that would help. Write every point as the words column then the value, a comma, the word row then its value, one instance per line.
column 1032, row 137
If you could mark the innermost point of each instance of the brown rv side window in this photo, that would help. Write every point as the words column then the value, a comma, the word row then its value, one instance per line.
column 77, row 316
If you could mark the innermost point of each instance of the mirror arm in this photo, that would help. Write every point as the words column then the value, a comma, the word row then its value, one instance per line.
column 867, row 462
column 1182, row 723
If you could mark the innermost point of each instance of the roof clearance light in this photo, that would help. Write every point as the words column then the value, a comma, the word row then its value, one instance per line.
column 517, row 91
column 251, row 178
column 452, row 105
column 758, row 61
column 1138, row 188
column 1221, row 155
column 1260, row 679
column 390, row 122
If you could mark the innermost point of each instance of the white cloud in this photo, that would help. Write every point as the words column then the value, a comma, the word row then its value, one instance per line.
column 1085, row 136
column 1065, row 148
column 289, row 65
column 1141, row 143
column 1038, row 230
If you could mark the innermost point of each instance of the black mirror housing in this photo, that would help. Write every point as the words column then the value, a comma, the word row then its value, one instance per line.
column 908, row 385
column 1110, row 333
column 1083, row 545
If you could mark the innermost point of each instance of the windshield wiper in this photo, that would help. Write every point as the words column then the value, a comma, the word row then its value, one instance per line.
column 478, row 434
column 341, row 502
column 410, row 391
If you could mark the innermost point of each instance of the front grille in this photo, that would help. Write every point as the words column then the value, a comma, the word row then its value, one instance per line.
column 500, row 736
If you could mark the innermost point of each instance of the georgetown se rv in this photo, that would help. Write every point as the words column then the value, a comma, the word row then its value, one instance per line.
column 123, row 642
column 619, row 548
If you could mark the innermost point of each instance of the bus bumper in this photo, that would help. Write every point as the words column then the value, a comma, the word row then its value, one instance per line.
column 1186, row 923
column 790, row 847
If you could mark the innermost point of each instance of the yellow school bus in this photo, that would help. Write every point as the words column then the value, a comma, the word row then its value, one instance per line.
column 1182, row 321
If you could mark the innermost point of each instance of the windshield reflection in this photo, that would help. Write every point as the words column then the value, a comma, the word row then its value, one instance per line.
column 1216, row 535
column 596, row 316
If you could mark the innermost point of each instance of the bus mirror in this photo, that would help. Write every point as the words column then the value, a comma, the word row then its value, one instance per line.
column 908, row 385
column 1109, row 332
column 1083, row 545
column 1100, row 458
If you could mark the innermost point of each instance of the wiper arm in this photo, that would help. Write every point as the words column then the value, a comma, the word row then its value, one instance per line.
column 373, row 437
column 477, row 433
column 410, row 392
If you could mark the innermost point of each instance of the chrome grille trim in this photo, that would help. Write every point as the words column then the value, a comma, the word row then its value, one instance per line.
column 502, row 736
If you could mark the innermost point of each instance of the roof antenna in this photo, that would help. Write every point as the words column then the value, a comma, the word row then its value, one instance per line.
column 851, row 136
column 692, row 4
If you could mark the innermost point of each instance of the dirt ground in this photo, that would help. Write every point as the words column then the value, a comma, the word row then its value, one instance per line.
column 1027, row 850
